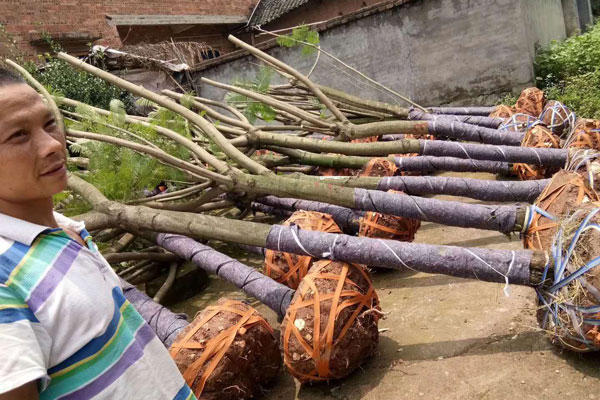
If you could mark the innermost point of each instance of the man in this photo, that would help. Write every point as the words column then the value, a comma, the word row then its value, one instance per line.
column 66, row 330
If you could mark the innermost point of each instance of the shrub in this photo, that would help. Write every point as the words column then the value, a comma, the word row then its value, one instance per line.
column 577, row 55
column 569, row 72
column 581, row 93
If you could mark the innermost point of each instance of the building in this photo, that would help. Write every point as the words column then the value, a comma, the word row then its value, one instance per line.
column 435, row 51
column 75, row 24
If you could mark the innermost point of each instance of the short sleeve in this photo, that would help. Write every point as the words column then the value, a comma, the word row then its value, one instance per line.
column 24, row 344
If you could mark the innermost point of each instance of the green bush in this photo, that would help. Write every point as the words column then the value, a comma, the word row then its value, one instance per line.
column 581, row 93
column 62, row 79
column 569, row 72
column 575, row 56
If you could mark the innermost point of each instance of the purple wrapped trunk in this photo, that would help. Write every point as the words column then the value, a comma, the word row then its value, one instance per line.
column 474, row 263
column 497, row 217
column 480, row 189
column 272, row 294
column 473, row 133
column 481, row 111
column 163, row 322
column 487, row 122
column 346, row 218
column 431, row 163
column 510, row 154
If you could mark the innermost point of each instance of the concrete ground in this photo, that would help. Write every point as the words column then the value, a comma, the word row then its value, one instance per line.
column 448, row 338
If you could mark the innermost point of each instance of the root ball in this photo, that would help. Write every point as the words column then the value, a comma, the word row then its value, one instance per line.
column 539, row 137
column 288, row 268
column 330, row 327
column 228, row 352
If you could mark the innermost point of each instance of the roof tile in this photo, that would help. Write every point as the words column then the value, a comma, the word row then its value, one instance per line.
column 269, row 10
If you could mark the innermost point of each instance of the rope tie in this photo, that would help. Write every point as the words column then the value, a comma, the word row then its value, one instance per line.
column 288, row 268
column 575, row 323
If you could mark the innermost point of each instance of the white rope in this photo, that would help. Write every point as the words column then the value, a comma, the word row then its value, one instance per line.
column 329, row 254
column 494, row 269
column 396, row 255
column 279, row 239
column 536, row 154
column 297, row 239
column 506, row 288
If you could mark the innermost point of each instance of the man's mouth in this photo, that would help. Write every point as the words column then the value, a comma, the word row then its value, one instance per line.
column 55, row 169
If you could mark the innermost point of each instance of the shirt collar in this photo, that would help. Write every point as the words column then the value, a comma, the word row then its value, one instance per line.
column 25, row 232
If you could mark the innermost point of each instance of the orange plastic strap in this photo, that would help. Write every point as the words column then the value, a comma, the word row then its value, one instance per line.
column 323, row 343
column 546, row 199
column 371, row 220
column 215, row 348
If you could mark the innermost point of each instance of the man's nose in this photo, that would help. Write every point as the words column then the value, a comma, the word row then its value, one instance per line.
column 48, row 143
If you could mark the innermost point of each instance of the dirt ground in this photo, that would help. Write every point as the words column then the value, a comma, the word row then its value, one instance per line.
column 448, row 338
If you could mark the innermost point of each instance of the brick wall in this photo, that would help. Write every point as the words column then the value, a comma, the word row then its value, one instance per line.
column 76, row 21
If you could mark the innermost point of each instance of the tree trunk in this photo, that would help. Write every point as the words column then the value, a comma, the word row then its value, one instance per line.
column 486, row 122
column 479, row 111
column 272, row 294
column 346, row 218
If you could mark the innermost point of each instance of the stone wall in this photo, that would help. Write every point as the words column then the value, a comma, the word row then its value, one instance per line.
column 434, row 51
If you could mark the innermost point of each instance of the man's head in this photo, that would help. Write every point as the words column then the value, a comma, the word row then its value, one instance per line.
column 32, row 146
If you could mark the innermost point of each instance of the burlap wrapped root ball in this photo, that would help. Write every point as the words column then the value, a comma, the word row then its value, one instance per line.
column 228, row 352
column 558, row 118
column 539, row 137
column 585, row 135
column 531, row 102
column 330, row 327
column 567, row 191
column 383, row 226
column 518, row 123
column 377, row 225
column 502, row 111
column 287, row 268
column 570, row 298
column 378, row 167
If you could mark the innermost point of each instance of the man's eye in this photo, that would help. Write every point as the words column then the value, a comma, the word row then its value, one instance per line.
column 51, row 123
column 16, row 135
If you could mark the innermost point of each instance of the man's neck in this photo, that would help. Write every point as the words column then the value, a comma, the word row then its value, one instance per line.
column 38, row 212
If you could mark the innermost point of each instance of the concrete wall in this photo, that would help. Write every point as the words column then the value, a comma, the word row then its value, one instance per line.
column 584, row 7
column 434, row 51
column 544, row 22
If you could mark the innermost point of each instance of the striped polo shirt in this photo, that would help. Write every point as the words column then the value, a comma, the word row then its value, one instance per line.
column 65, row 323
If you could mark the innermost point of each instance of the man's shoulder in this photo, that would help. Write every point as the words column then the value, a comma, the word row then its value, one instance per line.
column 5, row 244
column 11, row 254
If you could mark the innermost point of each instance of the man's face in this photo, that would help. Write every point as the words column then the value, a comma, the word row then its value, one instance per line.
column 32, row 147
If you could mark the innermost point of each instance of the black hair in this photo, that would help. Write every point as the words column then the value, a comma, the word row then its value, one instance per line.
column 8, row 77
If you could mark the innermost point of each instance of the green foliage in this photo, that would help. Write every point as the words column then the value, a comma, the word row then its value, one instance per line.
column 577, row 55
column 301, row 36
column 581, row 93
column 569, row 72
column 62, row 79
column 508, row 98
column 253, row 109
column 120, row 173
